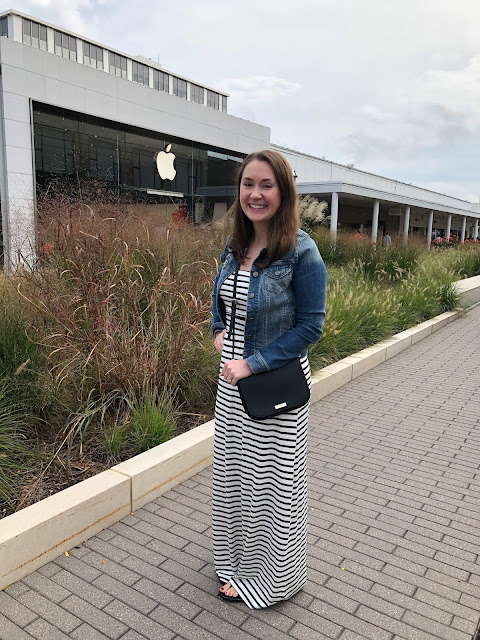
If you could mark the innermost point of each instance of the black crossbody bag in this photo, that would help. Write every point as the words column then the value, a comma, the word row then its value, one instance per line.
column 268, row 394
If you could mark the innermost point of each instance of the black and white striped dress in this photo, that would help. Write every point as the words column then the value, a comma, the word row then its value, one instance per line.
column 259, row 502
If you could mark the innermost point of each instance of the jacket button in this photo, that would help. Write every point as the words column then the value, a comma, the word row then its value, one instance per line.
column 255, row 274
column 251, row 295
column 277, row 272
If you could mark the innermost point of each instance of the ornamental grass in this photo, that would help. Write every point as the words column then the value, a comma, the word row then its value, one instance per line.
column 105, row 347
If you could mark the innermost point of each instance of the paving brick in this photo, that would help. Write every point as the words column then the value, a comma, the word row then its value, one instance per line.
column 201, row 628
column 86, row 632
column 445, row 605
column 106, row 550
column 463, row 625
column 60, row 617
column 178, row 601
column 259, row 629
column 15, row 611
column 161, row 535
column 190, row 556
column 46, row 587
column 432, row 627
column 133, row 548
column 409, row 603
column 130, row 532
column 362, row 597
column 133, row 635
column 129, row 618
column 346, row 620
column 43, row 630
column 106, row 535
column 11, row 631
column 119, row 571
column 124, row 593
column 16, row 589
column 106, row 624
column 78, row 568
column 177, row 518
column 84, row 590
column 48, row 570
column 155, row 574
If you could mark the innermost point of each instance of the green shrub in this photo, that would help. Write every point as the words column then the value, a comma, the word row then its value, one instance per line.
column 358, row 315
column 464, row 260
column 15, row 451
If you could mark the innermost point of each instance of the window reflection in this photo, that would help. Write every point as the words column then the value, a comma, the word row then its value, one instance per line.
column 73, row 147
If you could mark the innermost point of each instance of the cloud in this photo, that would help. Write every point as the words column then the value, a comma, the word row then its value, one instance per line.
column 68, row 15
column 260, row 88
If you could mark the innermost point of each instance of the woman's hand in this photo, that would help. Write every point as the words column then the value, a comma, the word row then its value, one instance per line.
column 235, row 370
column 219, row 336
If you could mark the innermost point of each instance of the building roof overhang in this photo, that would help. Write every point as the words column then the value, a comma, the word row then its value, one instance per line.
column 370, row 194
column 364, row 195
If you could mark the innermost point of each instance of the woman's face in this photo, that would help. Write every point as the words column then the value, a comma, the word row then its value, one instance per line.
column 260, row 195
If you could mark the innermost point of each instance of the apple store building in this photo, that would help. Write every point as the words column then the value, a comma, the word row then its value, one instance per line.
column 76, row 112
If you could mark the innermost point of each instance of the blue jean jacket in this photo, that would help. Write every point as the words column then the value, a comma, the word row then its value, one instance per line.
column 285, row 306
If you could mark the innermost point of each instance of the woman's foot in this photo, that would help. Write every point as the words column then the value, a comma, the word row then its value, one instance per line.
column 227, row 592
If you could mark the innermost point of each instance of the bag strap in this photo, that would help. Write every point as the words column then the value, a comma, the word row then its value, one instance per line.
column 233, row 313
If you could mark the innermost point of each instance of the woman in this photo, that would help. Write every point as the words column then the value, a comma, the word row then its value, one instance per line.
column 259, row 501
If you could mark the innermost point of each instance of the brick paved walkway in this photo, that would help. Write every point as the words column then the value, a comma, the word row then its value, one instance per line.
column 394, row 528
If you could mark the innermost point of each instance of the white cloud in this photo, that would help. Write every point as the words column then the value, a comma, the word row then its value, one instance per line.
column 260, row 88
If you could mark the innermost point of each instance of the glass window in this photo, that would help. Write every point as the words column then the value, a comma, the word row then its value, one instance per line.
column 213, row 99
column 160, row 80
column 180, row 88
column 140, row 73
column 65, row 45
column 92, row 55
column 117, row 65
column 197, row 94
column 224, row 104
column 4, row 27
column 34, row 34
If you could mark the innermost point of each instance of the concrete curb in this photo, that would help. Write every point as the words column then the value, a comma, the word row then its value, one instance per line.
column 39, row 533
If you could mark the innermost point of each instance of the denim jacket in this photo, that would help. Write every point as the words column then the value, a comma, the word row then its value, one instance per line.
column 285, row 306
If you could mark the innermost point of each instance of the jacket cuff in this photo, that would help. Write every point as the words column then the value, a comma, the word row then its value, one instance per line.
column 256, row 363
column 217, row 326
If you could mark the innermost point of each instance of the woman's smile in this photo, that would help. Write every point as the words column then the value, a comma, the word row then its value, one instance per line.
column 260, row 195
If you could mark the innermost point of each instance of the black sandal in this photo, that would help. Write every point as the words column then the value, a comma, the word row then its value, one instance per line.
column 227, row 597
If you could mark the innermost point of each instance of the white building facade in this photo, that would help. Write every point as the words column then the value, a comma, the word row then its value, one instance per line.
column 72, row 108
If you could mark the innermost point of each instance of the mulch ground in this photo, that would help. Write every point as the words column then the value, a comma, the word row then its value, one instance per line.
column 58, row 472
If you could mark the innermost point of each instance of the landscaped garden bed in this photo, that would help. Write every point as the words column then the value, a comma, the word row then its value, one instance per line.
column 105, row 348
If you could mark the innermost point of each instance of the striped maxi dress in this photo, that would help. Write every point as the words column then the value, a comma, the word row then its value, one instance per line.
column 259, row 494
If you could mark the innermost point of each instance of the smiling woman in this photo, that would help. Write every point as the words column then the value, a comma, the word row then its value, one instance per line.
column 268, row 306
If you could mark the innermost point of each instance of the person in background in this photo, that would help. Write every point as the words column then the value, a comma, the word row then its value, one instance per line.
column 386, row 240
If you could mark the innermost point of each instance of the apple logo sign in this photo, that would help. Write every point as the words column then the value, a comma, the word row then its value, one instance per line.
column 165, row 160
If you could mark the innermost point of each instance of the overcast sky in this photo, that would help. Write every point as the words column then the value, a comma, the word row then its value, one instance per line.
column 392, row 86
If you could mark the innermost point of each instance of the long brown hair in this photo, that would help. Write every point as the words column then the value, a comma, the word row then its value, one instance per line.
column 284, row 224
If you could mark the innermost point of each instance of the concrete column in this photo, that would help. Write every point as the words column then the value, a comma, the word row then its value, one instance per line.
column 449, row 226
column 376, row 209
column 17, row 184
column 475, row 230
column 429, row 229
column 406, row 224
column 464, row 226
column 334, row 216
